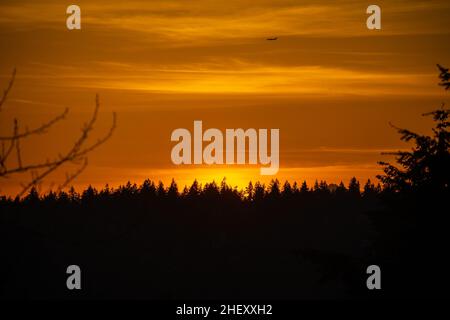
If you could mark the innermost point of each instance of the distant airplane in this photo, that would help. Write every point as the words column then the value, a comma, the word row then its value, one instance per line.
column 272, row 39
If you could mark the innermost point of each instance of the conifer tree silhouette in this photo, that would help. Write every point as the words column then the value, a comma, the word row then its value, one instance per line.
column 427, row 166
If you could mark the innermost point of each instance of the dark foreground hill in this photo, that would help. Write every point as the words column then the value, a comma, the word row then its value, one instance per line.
column 215, row 242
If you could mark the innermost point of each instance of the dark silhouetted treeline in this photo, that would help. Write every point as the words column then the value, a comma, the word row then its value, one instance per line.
column 254, row 192
column 214, row 241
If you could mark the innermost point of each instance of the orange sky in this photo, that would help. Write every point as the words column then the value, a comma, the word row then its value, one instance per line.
column 330, row 85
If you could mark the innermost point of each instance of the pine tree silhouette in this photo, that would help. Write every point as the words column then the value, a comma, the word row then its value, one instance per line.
column 427, row 166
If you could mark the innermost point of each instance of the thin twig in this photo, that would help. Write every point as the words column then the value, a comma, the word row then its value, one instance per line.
column 8, row 89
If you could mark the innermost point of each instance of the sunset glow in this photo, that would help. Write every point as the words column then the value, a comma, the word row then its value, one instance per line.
column 327, row 83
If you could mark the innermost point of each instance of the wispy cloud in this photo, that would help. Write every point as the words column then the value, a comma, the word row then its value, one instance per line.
column 182, row 22
column 240, row 77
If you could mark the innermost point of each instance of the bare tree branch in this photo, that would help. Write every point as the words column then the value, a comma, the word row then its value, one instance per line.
column 8, row 89
column 73, row 176
column 39, row 130
column 39, row 171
